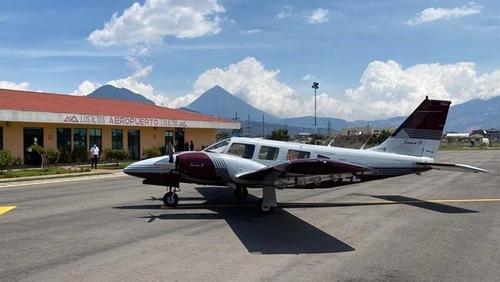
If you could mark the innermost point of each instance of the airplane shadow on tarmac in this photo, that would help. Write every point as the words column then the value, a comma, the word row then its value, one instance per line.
column 281, row 232
column 278, row 233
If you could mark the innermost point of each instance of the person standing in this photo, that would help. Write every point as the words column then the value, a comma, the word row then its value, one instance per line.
column 170, row 152
column 94, row 156
column 191, row 146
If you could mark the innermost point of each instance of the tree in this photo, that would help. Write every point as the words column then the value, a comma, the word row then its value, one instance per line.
column 39, row 150
column 280, row 134
column 384, row 134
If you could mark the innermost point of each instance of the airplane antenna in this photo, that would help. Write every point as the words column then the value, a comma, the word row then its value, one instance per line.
column 331, row 142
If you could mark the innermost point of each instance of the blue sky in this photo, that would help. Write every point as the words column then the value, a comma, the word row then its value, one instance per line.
column 47, row 45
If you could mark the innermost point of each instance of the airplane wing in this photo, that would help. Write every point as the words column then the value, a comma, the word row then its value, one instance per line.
column 304, row 167
column 454, row 167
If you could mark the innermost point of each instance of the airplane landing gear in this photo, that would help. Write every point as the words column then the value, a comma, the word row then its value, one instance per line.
column 170, row 199
column 268, row 201
column 240, row 193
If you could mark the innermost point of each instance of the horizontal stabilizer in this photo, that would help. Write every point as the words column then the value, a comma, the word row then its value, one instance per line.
column 305, row 167
column 454, row 167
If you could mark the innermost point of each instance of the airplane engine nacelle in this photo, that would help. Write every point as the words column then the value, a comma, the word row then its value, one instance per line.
column 197, row 167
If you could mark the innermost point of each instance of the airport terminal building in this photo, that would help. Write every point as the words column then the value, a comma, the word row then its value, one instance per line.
column 73, row 123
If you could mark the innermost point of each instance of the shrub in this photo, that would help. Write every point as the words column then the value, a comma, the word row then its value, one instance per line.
column 5, row 159
column 79, row 155
column 52, row 156
column 16, row 162
column 151, row 152
column 65, row 156
column 116, row 155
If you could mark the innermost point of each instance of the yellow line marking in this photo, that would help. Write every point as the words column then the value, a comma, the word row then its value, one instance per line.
column 4, row 209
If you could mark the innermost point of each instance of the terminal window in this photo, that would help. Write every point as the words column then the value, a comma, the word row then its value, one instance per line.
column 117, row 139
column 80, row 139
column 64, row 139
column 95, row 137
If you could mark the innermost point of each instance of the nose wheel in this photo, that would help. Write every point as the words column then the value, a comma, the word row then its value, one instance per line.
column 170, row 199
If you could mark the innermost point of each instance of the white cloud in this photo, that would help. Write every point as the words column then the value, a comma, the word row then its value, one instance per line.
column 308, row 76
column 255, row 30
column 4, row 84
column 286, row 11
column 86, row 87
column 155, row 19
column 386, row 89
column 433, row 14
column 135, row 83
column 249, row 80
column 319, row 15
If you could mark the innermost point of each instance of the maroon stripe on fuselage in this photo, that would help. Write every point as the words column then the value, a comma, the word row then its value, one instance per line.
column 197, row 166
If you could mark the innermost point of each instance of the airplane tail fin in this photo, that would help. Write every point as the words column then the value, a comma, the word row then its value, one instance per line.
column 420, row 134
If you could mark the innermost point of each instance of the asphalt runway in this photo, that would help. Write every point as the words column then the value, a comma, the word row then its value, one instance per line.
column 434, row 227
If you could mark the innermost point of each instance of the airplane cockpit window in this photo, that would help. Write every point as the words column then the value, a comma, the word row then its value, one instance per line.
column 268, row 153
column 218, row 147
column 296, row 154
column 242, row 150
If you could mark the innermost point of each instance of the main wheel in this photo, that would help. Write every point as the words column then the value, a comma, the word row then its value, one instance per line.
column 240, row 193
column 170, row 199
column 264, row 209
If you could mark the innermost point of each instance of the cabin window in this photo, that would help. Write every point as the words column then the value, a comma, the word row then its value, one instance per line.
column 296, row 154
column 268, row 153
column 323, row 157
column 242, row 150
column 218, row 147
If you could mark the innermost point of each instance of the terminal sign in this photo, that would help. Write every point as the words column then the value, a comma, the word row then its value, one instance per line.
column 125, row 121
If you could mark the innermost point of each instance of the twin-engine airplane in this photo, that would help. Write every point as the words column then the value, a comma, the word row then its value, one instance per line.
column 258, row 163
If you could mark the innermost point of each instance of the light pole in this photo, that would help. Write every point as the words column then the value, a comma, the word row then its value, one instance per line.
column 315, row 86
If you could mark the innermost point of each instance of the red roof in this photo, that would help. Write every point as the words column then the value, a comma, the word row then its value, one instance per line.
column 60, row 103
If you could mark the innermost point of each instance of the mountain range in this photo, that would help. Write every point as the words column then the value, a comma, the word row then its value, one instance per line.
column 473, row 114
column 217, row 101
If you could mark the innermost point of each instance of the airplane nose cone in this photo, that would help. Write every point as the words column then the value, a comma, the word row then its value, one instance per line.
column 149, row 167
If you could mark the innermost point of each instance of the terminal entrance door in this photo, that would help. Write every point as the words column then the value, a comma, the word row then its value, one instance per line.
column 134, row 144
column 179, row 139
column 32, row 136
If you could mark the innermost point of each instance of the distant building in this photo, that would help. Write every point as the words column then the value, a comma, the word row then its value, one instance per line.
column 363, row 130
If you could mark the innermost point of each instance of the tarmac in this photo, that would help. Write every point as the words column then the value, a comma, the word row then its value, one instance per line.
column 441, row 226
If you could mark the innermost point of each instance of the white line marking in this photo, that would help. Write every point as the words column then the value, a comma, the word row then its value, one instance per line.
column 61, row 180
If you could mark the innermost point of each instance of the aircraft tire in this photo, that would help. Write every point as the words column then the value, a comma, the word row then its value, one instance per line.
column 170, row 199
